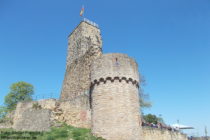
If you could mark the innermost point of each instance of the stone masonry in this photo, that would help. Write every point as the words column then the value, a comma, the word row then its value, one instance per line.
column 160, row 134
column 81, row 39
column 100, row 91
column 26, row 115
column 115, row 100
column 110, row 82
column 43, row 114
column 84, row 46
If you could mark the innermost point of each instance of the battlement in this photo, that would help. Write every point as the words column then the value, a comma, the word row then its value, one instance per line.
column 113, row 79
column 87, row 21
column 114, row 65
column 91, row 22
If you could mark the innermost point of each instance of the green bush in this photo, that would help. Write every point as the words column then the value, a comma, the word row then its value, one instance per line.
column 36, row 106
column 12, row 134
column 68, row 132
column 20, row 91
column 62, row 133
column 3, row 113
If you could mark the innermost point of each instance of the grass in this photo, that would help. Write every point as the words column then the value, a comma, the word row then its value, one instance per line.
column 62, row 133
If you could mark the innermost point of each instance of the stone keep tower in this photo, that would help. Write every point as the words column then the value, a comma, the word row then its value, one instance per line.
column 115, row 98
column 109, row 81
column 84, row 45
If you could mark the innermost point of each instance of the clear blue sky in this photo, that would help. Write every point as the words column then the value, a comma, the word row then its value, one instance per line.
column 170, row 39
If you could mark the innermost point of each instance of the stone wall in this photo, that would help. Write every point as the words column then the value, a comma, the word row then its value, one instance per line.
column 158, row 134
column 20, row 109
column 200, row 138
column 115, row 100
column 30, row 119
column 107, row 66
column 77, row 76
column 74, row 112
column 43, row 114
column 84, row 47
column 34, row 120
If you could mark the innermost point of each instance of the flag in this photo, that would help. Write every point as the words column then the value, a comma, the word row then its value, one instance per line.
column 82, row 11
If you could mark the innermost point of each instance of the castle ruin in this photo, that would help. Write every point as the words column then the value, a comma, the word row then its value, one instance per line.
column 109, row 82
column 100, row 91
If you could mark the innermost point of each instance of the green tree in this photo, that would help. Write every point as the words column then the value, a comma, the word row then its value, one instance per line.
column 3, row 112
column 150, row 118
column 143, row 97
column 20, row 91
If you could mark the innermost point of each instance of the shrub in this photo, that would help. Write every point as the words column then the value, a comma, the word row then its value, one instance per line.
column 36, row 106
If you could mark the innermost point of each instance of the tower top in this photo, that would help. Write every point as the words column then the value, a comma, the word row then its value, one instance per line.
column 85, row 35
column 91, row 22
column 87, row 21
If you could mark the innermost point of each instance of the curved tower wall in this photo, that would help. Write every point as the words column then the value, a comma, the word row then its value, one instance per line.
column 114, row 98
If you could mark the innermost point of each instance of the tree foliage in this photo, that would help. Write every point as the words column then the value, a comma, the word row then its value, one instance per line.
column 20, row 91
column 3, row 112
column 150, row 118
column 143, row 97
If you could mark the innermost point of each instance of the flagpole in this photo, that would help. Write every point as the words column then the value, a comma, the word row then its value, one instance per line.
column 83, row 12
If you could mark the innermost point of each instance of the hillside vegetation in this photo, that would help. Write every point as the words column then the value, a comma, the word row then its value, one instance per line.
column 57, row 133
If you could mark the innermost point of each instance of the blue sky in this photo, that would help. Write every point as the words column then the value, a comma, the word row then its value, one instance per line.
column 170, row 40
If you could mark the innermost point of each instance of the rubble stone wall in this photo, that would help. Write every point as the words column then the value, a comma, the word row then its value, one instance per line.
column 85, row 45
column 81, row 39
column 20, row 109
column 34, row 120
column 158, row 134
column 200, row 138
column 77, row 76
column 49, row 112
column 74, row 112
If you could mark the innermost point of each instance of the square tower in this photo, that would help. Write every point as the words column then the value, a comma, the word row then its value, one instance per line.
column 84, row 46
column 85, row 35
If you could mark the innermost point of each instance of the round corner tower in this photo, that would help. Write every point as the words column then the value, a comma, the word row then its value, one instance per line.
column 114, row 98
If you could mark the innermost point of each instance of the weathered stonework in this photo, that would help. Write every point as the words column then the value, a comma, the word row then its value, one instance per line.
column 28, row 118
column 115, row 100
column 77, row 77
column 81, row 39
column 75, row 112
column 201, row 138
column 51, row 111
column 84, row 47
column 34, row 120
column 162, row 134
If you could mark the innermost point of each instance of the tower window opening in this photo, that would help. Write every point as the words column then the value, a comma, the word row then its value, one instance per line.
column 116, row 62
